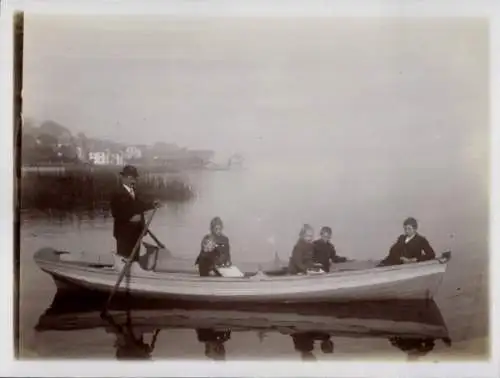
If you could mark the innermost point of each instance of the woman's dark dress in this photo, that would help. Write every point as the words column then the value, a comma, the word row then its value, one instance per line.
column 207, row 261
column 302, row 258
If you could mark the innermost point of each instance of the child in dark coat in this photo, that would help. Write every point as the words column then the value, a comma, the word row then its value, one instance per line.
column 215, row 250
column 324, row 250
column 302, row 255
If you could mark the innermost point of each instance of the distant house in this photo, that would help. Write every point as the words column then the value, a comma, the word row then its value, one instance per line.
column 115, row 157
column 80, row 153
column 108, row 157
column 98, row 157
column 133, row 152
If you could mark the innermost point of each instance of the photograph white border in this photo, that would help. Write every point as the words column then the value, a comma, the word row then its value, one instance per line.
column 12, row 367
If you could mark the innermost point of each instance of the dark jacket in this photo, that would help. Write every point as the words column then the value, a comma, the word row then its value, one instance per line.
column 324, row 252
column 302, row 258
column 224, row 249
column 220, row 256
column 418, row 248
column 123, row 208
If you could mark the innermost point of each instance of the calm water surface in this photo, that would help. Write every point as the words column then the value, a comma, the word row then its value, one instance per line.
column 263, row 212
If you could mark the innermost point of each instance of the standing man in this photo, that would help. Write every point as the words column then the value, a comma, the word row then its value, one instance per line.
column 128, row 210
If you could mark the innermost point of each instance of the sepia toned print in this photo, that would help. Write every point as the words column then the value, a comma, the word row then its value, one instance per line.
column 254, row 188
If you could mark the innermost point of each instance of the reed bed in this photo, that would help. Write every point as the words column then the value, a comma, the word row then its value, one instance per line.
column 89, row 191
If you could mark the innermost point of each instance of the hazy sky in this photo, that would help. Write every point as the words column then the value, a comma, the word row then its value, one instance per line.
column 268, row 88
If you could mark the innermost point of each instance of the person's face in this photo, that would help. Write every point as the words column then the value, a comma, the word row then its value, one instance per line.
column 308, row 236
column 130, row 181
column 217, row 229
column 409, row 230
column 325, row 236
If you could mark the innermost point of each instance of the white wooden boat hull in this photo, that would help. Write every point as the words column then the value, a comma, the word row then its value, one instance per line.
column 408, row 281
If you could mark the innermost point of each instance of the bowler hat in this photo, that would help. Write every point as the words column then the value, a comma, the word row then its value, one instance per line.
column 129, row 170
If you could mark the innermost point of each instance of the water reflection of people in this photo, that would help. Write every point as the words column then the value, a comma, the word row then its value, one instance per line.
column 304, row 343
column 129, row 343
column 415, row 347
column 214, row 342
column 131, row 346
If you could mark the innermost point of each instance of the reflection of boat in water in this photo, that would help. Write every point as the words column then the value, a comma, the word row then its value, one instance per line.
column 366, row 282
column 400, row 322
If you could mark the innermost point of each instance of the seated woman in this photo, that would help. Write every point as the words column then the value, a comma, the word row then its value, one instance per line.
column 222, row 241
column 216, row 247
column 409, row 247
column 208, row 257
column 302, row 255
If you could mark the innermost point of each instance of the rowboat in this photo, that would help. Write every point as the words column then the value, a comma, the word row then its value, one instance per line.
column 368, row 282
column 408, row 319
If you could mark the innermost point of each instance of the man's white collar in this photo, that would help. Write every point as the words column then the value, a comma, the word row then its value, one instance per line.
column 129, row 189
column 408, row 238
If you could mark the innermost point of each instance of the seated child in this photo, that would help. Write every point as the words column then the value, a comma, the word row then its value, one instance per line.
column 324, row 250
column 221, row 241
column 208, row 257
column 302, row 255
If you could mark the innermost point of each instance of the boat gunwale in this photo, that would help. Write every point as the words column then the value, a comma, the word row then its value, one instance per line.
column 190, row 277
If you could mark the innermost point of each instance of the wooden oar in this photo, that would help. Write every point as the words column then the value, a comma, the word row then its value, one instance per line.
column 153, row 342
column 129, row 260
column 157, row 241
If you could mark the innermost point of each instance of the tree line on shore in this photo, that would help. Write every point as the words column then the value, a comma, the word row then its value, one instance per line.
column 52, row 143
column 48, row 143
column 89, row 192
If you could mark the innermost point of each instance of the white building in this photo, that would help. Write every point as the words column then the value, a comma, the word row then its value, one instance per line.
column 99, row 157
column 133, row 152
column 79, row 153
column 115, row 158
column 106, row 157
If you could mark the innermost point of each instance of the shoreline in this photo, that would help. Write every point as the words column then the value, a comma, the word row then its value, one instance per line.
column 63, row 168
